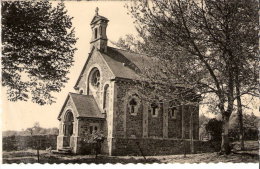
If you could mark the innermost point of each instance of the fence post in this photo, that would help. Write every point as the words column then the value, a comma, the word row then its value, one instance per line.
column 138, row 145
column 38, row 149
column 38, row 155
column 184, row 145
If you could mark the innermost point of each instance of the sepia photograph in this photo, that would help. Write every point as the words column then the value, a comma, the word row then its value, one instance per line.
column 128, row 82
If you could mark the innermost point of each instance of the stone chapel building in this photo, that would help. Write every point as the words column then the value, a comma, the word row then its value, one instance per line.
column 105, row 99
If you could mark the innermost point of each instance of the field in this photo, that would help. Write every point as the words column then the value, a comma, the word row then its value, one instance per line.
column 30, row 156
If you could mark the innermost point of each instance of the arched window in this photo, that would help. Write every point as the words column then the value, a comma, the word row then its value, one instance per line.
column 100, row 31
column 95, row 78
column 96, row 33
column 69, row 116
column 81, row 91
column 134, row 104
column 106, row 98
column 154, row 109
column 172, row 111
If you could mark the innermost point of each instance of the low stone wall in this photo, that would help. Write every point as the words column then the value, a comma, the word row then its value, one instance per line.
column 207, row 146
column 82, row 146
column 149, row 146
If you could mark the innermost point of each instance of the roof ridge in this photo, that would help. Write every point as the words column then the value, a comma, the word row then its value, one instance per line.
column 79, row 94
column 128, row 51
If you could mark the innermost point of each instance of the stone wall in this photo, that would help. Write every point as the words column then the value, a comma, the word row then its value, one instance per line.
column 61, row 139
column 96, row 60
column 83, row 147
column 120, row 123
column 83, row 127
column 155, row 124
column 134, row 123
column 149, row 146
column 132, row 126
column 106, row 75
column 120, row 115
column 174, row 125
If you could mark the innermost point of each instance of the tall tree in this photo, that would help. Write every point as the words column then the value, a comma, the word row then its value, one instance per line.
column 37, row 49
column 246, row 72
column 201, row 45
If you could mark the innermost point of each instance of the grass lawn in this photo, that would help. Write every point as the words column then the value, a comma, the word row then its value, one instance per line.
column 30, row 156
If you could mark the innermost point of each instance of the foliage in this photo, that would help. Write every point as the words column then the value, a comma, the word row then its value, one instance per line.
column 203, row 120
column 129, row 43
column 214, row 128
column 35, row 130
column 37, row 49
column 190, row 42
column 250, row 127
column 95, row 137
column 208, row 47
column 25, row 142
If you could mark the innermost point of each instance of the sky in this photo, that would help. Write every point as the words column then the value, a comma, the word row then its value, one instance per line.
column 21, row 115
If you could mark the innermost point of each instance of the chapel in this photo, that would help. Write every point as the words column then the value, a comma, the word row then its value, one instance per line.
column 106, row 100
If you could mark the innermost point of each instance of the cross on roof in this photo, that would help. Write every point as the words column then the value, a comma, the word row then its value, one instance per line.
column 96, row 10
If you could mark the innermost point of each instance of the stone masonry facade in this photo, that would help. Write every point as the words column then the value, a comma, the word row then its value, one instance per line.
column 130, row 124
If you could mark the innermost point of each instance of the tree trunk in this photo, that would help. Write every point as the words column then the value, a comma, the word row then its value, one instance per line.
column 239, row 113
column 225, row 147
column 191, row 133
column 240, row 122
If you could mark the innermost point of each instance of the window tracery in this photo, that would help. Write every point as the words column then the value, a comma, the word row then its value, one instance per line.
column 134, row 104
column 154, row 109
column 95, row 78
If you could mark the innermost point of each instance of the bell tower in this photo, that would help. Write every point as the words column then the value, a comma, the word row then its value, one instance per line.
column 99, row 36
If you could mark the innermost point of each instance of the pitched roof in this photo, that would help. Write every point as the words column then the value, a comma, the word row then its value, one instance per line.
column 125, row 64
column 130, row 65
column 85, row 105
column 97, row 18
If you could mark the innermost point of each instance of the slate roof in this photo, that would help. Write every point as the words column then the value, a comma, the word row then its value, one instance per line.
column 125, row 64
column 85, row 105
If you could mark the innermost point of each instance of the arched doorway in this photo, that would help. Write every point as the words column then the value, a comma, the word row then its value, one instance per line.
column 68, row 128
